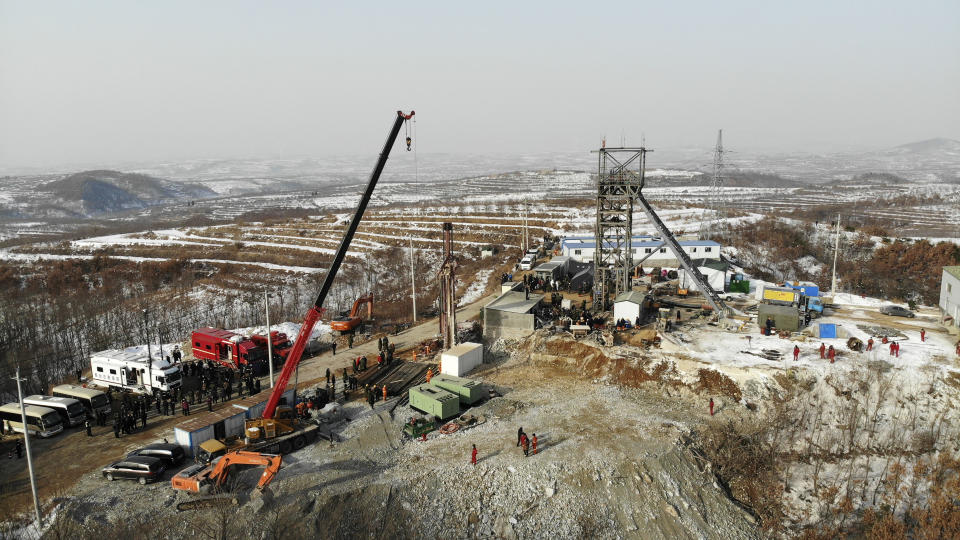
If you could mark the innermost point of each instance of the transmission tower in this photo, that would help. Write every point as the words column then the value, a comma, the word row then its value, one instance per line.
column 713, row 214
column 619, row 181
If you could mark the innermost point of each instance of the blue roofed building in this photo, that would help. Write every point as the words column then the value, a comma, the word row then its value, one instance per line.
column 582, row 248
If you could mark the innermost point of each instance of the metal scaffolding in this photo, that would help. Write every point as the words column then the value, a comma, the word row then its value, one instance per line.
column 448, row 289
column 620, row 177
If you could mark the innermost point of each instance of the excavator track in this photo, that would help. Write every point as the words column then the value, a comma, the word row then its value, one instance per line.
column 208, row 502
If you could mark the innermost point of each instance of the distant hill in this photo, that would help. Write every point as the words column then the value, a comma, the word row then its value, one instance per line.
column 872, row 178
column 938, row 145
column 99, row 192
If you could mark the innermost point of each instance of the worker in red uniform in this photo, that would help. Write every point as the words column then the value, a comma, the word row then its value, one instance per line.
column 896, row 348
column 473, row 455
column 525, row 444
column 923, row 334
column 384, row 392
column 534, row 443
column 796, row 352
column 831, row 354
column 711, row 406
column 870, row 344
column 893, row 348
column 823, row 349
column 958, row 348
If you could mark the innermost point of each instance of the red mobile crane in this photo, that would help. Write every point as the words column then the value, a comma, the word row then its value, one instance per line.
column 279, row 422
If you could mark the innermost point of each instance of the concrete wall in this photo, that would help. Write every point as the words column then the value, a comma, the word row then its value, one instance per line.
column 950, row 298
column 504, row 324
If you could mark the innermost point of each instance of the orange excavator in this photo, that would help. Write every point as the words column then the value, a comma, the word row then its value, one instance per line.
column 198, row 477
column 349, row 323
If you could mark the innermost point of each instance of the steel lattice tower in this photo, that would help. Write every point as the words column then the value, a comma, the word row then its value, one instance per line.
column 714, row 213
column 620, row 177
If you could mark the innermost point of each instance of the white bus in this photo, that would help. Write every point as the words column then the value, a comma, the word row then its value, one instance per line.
column 126, row 370
column 70, row 410
column 91, row 398
column 40, row 420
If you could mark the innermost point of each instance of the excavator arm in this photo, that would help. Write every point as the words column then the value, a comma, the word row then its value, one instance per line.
column 366, row 299
column 271, row 463
column 316, row 311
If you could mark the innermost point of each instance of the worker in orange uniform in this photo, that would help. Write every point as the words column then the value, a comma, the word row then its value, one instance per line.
column 796, row 352
column 534, row 443
column 823, row 349
column 384, row 392
column 429, row 375
column 473, row 455
column 870, row 344
column 831, row 354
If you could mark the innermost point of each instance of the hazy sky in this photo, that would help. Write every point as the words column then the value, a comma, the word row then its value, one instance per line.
column 103, row 82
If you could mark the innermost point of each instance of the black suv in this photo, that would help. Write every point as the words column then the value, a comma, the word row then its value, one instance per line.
column 170, row 454
column 141, row 468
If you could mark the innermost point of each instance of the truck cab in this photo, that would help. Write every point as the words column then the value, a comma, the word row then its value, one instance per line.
column 228, row 348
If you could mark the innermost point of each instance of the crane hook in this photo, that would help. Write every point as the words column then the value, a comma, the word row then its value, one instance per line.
column 409, row 142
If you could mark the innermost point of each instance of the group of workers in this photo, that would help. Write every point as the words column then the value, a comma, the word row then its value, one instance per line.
column 526, row 442
column 829, row 353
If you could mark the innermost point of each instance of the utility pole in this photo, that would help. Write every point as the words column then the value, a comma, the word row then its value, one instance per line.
column 836, row 250
column 266, row 308
column 26, row 443
column 146, row 331
column 413, row 281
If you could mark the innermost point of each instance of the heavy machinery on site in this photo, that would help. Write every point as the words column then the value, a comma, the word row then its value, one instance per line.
column 235, row 350
column 279, row 430
column 206, row 477
column 282, row 422
column 349, row 323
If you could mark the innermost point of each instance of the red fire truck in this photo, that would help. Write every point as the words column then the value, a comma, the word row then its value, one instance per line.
column 234, row 350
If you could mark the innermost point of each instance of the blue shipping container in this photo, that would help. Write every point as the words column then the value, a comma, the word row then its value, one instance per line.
column 807, row 290
column 827, row 330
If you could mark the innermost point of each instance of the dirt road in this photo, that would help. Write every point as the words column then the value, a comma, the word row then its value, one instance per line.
column 315, row 368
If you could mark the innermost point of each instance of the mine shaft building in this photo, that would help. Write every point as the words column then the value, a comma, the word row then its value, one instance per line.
column 510, row 316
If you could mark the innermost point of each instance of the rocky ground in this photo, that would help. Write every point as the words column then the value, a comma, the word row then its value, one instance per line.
column 619, row 456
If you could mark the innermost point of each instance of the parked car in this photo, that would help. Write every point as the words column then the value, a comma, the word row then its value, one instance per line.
column 897, row 311
column 526, row 263
column 170, row 454
column 140, row 468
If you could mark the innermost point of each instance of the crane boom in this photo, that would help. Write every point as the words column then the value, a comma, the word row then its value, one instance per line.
column 315, row 311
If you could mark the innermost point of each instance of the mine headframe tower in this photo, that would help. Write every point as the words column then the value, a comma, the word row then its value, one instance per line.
column 620, row 177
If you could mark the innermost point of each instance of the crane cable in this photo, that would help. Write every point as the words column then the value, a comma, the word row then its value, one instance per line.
column 416, row 166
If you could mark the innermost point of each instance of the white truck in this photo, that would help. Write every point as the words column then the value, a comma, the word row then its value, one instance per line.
column 126, row 370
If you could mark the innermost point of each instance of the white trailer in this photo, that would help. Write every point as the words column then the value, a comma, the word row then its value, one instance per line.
column 125, row 370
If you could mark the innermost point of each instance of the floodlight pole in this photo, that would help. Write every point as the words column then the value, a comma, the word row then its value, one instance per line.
column 146, row 331
column 266, row 308
column 413, row 282
column 26, row 444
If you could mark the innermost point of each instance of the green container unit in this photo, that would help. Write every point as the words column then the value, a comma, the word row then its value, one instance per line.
column 470, row 391
column 434, row 400
column 740, row 285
